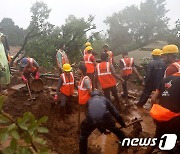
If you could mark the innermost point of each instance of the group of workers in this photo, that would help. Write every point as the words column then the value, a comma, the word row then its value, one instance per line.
column 162, row 76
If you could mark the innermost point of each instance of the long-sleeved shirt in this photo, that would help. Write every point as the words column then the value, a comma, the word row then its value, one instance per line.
column 155, row 72
column 100, row 110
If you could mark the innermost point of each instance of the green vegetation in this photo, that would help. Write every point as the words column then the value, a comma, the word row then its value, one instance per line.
column 129, row 29
column 23, row 133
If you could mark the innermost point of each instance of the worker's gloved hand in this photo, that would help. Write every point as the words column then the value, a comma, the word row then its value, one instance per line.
column 55, row 98
column 24, row 79
column 37, row 76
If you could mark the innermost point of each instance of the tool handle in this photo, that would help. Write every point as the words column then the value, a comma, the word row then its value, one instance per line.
column 29, row 90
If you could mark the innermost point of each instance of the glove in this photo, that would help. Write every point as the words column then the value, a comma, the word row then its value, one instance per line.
column 55, row 98
column 24, row 79
column 37, row 76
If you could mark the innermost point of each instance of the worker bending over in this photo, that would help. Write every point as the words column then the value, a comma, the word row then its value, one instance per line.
column 166, row 107
column 169, row 55
column 127, row 67
column 106, row 76
column 154, row 74
column 28, row 67
column 90, row 64
column 65, row 90
column 99, row 115
column 61, row 58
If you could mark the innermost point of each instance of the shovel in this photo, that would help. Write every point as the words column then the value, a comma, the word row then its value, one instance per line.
column 31, row 98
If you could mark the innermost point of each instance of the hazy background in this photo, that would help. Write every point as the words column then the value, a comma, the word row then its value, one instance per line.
column 19, row 10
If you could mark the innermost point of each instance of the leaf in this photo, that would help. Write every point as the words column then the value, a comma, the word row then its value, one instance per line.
column 32, row 128
column 9, row 150
column 11, row 127
column 42, row 120
column 3, row 119
column 4, row 135
column 15, row 134
column 25, row 150
column 2, row 100
column 44, row 151
column 42, row 130
column 13, row 144
column 39, row 140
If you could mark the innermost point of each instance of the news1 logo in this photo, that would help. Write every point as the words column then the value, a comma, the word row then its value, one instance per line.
column 166, row 142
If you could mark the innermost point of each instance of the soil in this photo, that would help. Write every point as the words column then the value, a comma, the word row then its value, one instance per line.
column 63, row 137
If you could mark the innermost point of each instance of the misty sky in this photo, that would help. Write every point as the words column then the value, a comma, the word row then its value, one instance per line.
column 19, row 10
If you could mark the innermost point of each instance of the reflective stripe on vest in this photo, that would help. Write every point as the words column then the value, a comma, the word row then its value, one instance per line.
column 89, row 64
column 67, row 87
column 87, row 59
column 177, row 65
column 127, row 70
column 30, row 68
column 65, row 59
column 110, row 54
column 160, row 113
column 105, row 77
column 64, row 79
column 125, row 65
column 107, row 68
column 83, row 93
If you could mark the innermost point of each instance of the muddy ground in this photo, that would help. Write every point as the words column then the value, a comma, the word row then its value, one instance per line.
column 62, row 137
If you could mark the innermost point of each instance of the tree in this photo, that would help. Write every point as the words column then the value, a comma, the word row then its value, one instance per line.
column 39, row 26
column 14, row 34
column 174, row 37
column 136, row 26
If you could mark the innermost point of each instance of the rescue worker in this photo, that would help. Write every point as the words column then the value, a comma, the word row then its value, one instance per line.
column 87, row 44
column 84, row 91
column 90, row 64
column 154, row 74
column 166, row 107
column 65, row 90
column 99, row 115
column 169, row 55
column 110, row 53
column 4, row 41
column 106, row 76
column 84, row 86
column 61, row 58
column 127, row 67
column 28, row 67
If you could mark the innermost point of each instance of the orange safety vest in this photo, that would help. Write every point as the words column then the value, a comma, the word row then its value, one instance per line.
column 67, row 87
column 127, row 69
column 89, row 64
column 176, row 64
column 65, row 59
column 85, row 52
column 110, row 55
column 83, row 93
column 30, row 68
column 105, row 77
column 160, row 113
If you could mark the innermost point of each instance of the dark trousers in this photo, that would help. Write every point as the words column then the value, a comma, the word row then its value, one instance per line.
column 124, row 85
column 167, row 127
column 145, row 94
column 114, row 92
column 87, row 128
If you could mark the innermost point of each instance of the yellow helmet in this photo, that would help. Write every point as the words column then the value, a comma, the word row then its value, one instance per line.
column 170, row 49
column 87, row 44
column 89, row 48
column 67, row 67
column 156, row 52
